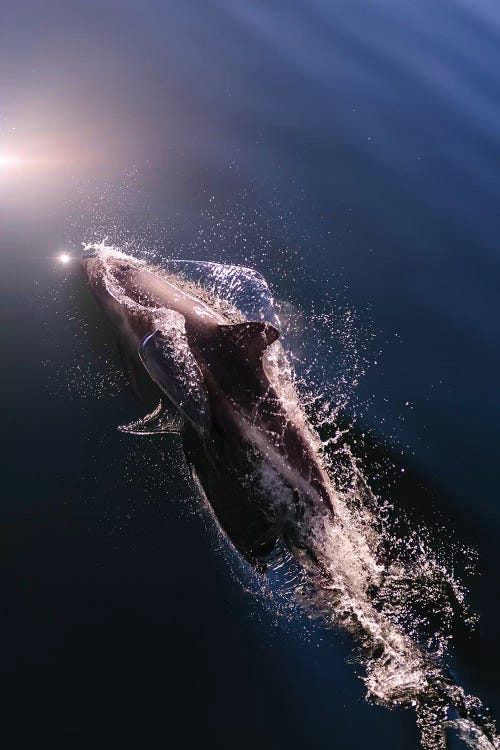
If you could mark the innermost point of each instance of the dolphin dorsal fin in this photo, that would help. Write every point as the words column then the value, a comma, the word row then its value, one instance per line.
column 253, row 337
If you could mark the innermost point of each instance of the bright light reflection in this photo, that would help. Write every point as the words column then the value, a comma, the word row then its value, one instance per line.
column 64, row 258
column 10, row 160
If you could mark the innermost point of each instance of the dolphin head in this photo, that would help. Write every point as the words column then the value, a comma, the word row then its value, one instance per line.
column 117, row 281
column 147, row 312
column 110, row 272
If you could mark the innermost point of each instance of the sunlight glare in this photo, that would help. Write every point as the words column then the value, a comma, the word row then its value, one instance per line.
column 10, row 160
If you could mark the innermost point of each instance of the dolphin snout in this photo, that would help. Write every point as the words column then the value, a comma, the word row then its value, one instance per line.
column 91, row 266
column 86, row 261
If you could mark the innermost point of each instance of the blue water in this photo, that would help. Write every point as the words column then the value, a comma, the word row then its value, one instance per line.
column 349, row 150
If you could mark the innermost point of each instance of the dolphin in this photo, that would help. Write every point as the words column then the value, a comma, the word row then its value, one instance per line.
column 216, row 373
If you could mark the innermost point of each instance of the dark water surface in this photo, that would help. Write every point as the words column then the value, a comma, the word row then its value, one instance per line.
column 351, row 151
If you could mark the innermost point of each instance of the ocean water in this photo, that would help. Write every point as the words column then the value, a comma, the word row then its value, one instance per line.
column 350, row 152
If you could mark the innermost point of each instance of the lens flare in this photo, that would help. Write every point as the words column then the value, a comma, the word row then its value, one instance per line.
column 10, row 160
column 64, row 258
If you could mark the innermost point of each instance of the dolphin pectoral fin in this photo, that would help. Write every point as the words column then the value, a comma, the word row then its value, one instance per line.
column 133, row 369
column 158, row 422
column 171, row 364
column 252, row 337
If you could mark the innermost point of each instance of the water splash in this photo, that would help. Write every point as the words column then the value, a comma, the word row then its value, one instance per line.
column 381, row 578
column 388, row 586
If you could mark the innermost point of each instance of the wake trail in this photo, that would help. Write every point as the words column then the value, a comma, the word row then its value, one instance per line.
column 390, row 590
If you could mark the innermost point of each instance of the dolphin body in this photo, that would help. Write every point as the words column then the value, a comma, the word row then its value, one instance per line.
column 246, row 439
